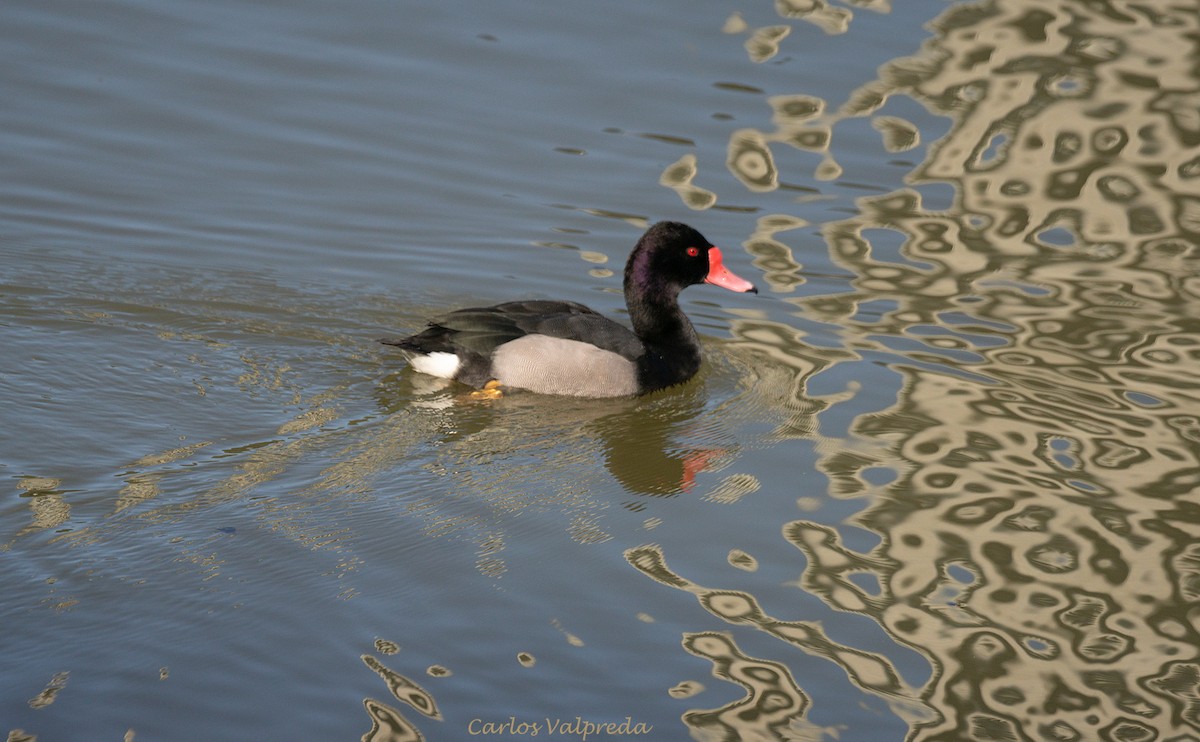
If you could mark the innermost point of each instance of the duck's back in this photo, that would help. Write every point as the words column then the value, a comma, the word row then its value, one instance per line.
column 549, row 347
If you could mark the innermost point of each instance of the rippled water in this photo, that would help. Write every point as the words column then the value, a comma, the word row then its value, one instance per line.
column 938, row 481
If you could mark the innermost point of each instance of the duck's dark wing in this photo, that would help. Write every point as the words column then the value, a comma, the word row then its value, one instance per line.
column 479, row 331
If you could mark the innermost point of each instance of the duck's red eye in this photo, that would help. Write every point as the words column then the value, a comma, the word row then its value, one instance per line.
column 693, row 251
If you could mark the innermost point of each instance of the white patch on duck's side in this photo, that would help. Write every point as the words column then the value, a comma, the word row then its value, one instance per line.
column 438, row 363
column 548, row 365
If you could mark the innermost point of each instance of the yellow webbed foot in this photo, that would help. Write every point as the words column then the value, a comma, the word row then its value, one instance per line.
column 490, row 390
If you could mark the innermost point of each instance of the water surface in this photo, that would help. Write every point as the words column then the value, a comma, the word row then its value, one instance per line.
column 936, row 482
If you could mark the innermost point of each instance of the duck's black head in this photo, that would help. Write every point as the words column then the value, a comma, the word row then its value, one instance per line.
column 671, row 256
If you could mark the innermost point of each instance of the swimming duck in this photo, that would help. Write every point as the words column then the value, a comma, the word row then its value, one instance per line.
column 563, row 347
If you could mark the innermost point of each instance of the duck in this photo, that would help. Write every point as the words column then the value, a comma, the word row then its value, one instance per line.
column 565, row 348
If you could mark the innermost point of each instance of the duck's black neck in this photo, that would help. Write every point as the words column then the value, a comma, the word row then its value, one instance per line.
column 672, row 346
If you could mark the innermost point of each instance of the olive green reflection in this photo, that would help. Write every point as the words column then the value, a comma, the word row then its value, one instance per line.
column 1034, row 481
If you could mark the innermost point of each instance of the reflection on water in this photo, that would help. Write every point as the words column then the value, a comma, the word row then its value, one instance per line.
column 386, row 722
column 1038, row 517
